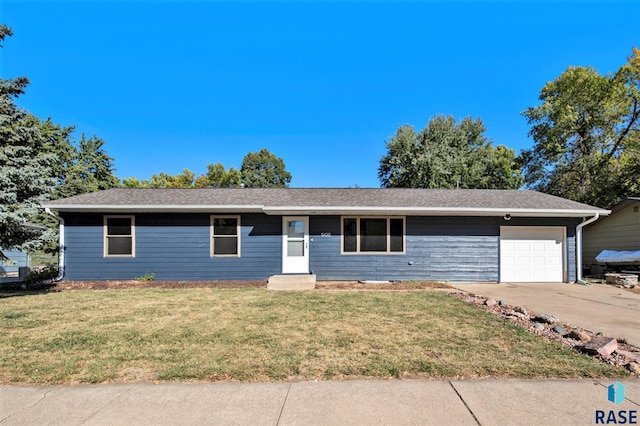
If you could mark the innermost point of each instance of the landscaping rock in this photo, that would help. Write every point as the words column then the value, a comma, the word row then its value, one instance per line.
column 546, row 318
column 514, row 314
column 521, row 310
column 631, row 356
column 602, row 345
column 538, row 326
column 559, row 329
column 491, row 302
column 622, row 279
column 580, row 335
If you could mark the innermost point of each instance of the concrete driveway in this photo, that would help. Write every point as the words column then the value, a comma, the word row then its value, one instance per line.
column 598, row 308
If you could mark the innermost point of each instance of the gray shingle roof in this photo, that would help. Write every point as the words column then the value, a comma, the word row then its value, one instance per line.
column 328, row 201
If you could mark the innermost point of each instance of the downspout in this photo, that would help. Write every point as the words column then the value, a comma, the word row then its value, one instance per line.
column 579, row 279
column 60, row 244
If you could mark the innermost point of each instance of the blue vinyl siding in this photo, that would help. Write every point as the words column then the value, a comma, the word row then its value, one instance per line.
column 571, row 254
column 177, row 247
column 437, row 248
column 447, row 249
column 173, row 247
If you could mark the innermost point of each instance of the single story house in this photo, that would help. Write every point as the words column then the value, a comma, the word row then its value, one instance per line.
column 619, row 231
column 336, row 234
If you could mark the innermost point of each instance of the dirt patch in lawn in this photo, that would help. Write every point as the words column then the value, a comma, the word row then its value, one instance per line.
column 110, row 285
column 394, row 285
column 322, row 285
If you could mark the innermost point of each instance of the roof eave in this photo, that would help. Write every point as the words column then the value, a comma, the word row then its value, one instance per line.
column 110, row 208
column 325, row 210
column 433, row 211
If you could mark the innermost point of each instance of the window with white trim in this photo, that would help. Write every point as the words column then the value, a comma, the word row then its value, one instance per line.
column 225, row 236
column 119, row 236
column 373, row 235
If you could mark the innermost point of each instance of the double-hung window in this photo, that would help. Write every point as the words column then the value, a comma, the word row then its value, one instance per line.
column 373, row 235
column 119, row 236
column 225, row 236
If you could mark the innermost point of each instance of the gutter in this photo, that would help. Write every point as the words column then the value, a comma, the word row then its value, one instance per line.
column 323, row 210
column 579, row 279
column 60, row 244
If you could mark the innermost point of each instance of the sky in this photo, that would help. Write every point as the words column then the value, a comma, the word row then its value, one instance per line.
column 171, row 85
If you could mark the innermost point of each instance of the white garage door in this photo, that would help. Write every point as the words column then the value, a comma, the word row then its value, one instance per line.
column 531, row 254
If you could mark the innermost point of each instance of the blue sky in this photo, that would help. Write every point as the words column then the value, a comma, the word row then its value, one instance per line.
column 172, row 85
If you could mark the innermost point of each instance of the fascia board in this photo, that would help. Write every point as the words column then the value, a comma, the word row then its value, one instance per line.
column 325, row 210
column 106, row 208
column 432, row 211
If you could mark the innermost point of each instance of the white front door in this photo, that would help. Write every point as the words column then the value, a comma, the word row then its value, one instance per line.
column 295, row 245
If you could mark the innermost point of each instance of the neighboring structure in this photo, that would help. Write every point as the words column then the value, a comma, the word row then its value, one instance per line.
column 17, row 259
column 620, row 231
column 336, row 234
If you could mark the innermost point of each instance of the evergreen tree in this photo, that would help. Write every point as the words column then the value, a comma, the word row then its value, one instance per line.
column 24, row 172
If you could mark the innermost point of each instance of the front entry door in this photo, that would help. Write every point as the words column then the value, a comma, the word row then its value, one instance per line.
column 295, row 245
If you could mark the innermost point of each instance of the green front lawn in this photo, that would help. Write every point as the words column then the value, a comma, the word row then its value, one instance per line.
column 257, row 335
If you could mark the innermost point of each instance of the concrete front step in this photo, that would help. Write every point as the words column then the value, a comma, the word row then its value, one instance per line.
column 292, row 282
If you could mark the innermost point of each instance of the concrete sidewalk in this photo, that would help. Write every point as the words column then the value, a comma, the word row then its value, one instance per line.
column 601, row 308
column 392, row 402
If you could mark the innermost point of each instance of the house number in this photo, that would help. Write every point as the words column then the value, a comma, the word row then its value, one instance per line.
column 325, row 234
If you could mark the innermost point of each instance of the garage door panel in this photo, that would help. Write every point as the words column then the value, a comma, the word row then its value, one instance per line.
column 554, row 261
column 539, row 247
column 531, row 254
column 509, row 261
column 540, row 261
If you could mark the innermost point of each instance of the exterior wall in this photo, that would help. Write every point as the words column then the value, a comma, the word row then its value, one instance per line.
column 20, row 259
column 437, row 248
column 177, row 247
column 172, row 247
column 619, row 231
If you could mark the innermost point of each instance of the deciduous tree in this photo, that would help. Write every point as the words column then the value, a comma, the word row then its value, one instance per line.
column 586, row 135
column 446, row 154
column 162, row 180
column 218, row 177
column 264, row 170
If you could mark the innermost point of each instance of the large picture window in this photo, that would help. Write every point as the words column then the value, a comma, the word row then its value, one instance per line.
column 225, row 236
column 119, row 236
column 373, row 235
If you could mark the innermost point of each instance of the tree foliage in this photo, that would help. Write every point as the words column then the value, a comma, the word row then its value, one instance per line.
column 77, row 168
column 162, row 180
column 446, row 154
column 264, row 170
column 218, row 177
column 24, row 172
column 586, row 135
column 259, row 170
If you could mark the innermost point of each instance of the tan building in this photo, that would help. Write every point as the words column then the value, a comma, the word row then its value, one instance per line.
column 619, row 231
